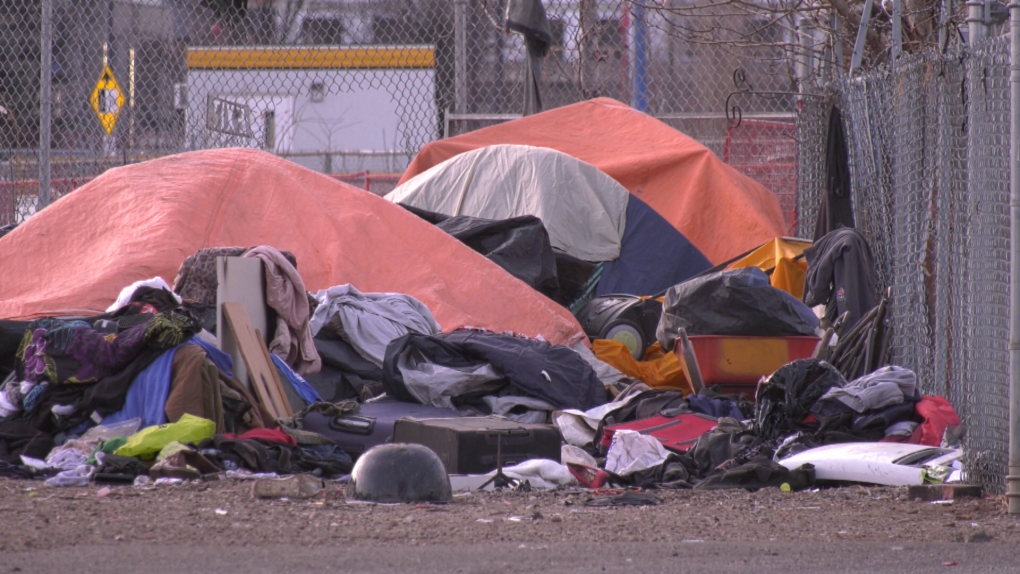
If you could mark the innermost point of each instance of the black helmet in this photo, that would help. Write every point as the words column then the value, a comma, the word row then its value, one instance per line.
column 399, row 472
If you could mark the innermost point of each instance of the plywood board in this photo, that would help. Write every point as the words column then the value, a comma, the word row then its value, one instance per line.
column 241, row 280
column 261, row 370
column 276, row 385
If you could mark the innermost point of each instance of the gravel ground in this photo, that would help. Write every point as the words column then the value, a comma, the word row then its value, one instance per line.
column 225, row 514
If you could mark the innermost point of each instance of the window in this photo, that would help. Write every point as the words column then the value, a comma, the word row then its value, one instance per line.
column 557, row 32
column 329, row 31
column 610, row 39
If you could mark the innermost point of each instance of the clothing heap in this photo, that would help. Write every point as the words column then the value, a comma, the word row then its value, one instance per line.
column 805, row 404
column 75, row 386
column 143, row 390
column 390, row 343
column 81, row 391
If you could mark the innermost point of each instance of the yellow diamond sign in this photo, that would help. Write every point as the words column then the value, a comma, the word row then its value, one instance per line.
column 107, row 100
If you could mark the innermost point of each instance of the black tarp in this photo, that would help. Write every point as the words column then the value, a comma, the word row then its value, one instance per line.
column 5, row 229
column 528, row 18
column 11, row 335
column 737, row 302
column 520, row 245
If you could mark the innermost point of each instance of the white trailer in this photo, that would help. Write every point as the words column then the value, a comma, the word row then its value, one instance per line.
column 311, row 104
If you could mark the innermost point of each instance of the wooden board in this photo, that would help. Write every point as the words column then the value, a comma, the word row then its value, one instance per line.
column 242, row 280
column 689, row 362
column 261, row 370
column 276, row 385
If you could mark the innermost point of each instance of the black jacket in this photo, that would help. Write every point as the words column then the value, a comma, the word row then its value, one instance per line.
column 841, row 275
column 836, row 209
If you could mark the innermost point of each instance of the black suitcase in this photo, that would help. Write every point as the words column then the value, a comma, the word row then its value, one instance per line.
column 469, row 445
column 371, row 425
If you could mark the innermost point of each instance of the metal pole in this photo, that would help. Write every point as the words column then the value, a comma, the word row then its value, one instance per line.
column 820, row 37
column 460, row 56
column 1013, row 478
column 588, row 47
column 640, row 94
column 897, row 29
column 805, row 64
column 947, row 7
column 862, row 34
column 975, row 21
column 131, row 98
column 45, row 101
column 109, row 59
column 837, row 42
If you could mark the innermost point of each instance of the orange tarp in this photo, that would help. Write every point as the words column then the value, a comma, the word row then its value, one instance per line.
column 141, row 221
column 721, row 211
column 658, row 368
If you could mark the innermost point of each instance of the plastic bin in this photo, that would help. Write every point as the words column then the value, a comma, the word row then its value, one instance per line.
column 737, row 363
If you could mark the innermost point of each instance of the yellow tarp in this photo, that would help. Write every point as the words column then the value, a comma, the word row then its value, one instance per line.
column 779, row 257
column 658, row 369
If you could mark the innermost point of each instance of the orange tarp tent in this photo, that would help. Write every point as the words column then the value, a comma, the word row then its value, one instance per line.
column 142, row 220
column 721, row 211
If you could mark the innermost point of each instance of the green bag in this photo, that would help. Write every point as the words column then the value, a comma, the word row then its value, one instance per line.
column 147, row 442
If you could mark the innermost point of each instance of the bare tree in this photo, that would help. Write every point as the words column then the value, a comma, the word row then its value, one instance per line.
column 725, row 22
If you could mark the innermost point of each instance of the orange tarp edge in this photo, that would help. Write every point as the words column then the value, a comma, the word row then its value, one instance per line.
column 141, row 221
column 779, row 257
column 720, row 210
column 658, row 369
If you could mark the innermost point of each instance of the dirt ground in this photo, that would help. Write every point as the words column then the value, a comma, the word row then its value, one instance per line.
column 224, row 513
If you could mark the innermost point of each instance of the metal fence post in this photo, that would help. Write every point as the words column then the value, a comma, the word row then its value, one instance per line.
column 45, row 100
column 897, row 30
column 976, row 30
column 1013, row 476
column 862, row 34
column 947, row 8
column 806, row 60
column 639, row 58
column 837, row 46
column 460, row 56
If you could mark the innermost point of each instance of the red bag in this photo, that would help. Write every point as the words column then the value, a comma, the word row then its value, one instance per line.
column 938, row 415
column 677, row 433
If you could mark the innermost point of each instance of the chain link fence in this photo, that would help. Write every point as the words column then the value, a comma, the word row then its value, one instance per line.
column 355, row 88
column 929, row 147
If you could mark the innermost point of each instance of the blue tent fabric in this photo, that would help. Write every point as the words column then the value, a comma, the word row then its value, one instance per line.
column 654, row 256
column 222, row 360
column 302, row 387
column 146, row 397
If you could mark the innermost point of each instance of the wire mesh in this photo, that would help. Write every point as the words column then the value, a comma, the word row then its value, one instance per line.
column 929, row 142
column 355, row 88
column 812, row 131
column 359, row 86
column 984, row 396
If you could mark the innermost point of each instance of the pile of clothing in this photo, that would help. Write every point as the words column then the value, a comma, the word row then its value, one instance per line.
column 803, row 405
column 150, row 367
column 390, row 343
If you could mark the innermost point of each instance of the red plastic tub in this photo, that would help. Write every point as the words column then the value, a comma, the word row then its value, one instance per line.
column 737, row 363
